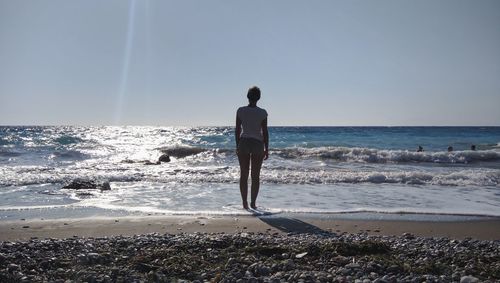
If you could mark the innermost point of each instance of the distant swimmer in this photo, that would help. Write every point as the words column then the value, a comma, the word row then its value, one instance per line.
column 473, row 147
column 420, row 149
column 450, row 148
column 252, row 143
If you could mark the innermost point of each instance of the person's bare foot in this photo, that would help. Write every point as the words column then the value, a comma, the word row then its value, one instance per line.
column 245, row 205
column 253, row 206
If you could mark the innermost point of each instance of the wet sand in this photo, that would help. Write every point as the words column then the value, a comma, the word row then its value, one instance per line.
column 21, row 230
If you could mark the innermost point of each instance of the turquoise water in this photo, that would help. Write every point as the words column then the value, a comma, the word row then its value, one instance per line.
column 310, row 170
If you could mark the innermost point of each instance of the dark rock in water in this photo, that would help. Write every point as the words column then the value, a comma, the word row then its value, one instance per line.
column 164, row 158
column 82, row 185
column 145, row 162
column 85, row 195
column 182, row 151
column 105, row 186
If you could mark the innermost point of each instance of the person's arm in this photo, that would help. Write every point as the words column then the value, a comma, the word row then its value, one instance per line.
column 265, row 134
column 237, row 132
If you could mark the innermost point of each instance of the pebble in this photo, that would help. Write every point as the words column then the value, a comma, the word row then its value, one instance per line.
column 352, row 266
column 12, row 267
column 301, row 255
column 250, row 257
column 469, row 279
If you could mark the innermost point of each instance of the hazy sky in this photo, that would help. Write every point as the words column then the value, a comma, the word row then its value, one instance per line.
column 191, row 62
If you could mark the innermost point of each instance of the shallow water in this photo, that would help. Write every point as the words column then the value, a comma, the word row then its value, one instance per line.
column 310, row 170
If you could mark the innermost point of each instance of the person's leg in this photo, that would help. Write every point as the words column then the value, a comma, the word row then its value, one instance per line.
column 256, row 160
column 244, row 159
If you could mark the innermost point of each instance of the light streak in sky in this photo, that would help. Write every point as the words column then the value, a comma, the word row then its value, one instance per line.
column 126, row 63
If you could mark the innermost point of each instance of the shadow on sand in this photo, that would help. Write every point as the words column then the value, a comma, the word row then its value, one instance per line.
column 292, row 225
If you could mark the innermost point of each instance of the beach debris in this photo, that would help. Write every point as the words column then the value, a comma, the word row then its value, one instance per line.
column 88, row 185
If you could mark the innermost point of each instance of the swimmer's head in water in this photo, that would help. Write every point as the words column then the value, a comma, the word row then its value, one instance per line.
column 253, row 94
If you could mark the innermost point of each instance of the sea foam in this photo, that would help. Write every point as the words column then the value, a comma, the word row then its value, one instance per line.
column 370, row 155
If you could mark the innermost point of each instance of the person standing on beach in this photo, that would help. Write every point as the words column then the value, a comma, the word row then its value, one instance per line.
column 252, row 144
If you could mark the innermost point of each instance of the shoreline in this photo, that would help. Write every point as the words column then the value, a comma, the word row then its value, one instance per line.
column 481, row 228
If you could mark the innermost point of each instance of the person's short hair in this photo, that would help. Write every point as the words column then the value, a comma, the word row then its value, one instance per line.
column 253, row 93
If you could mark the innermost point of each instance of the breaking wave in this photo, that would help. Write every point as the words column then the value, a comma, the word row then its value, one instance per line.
column 66, row 140
column 356, row 154
column 229, row 174
column 8, row 153
column 369, row 155
column 68, row 155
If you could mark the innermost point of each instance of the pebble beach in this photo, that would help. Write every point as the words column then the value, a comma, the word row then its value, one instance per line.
column 248, row 249
column 250, row 257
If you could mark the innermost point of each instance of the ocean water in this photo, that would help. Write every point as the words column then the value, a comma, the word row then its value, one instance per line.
column 310, row 170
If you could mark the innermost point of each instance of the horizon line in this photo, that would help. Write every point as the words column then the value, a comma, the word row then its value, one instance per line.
column 225, row 126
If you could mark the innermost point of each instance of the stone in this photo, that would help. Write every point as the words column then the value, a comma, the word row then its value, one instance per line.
column 352, row 265
column 393, row 269
column 289, row 264
column 264, row 270
column 88, row 185
column 469, row 279
column 408, row 236
column 301, row 255
column 164, row 158
column 13, row 267
column 182, row 151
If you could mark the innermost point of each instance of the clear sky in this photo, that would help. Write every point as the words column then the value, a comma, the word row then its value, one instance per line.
column 328, row 62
